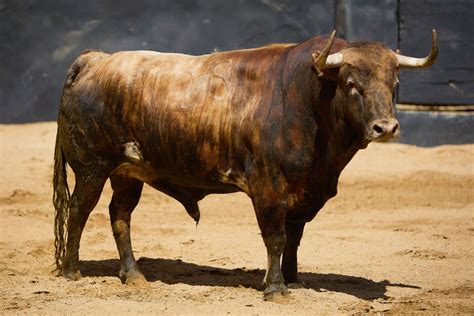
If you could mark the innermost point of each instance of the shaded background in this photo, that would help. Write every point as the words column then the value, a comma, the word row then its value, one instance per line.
column 39, row 39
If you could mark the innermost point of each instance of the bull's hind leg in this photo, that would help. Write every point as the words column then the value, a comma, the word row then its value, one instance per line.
column 127, row 192
column 289, row 265
column 86, row 194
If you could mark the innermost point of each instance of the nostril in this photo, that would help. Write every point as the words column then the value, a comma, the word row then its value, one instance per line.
column 395, row 129
column 378, row 129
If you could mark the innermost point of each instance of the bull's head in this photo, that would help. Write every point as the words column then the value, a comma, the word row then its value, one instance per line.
column 367, row 76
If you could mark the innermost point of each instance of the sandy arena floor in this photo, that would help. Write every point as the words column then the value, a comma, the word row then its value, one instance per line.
column 397, row 238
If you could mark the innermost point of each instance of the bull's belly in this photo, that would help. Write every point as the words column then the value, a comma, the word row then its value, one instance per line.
column 157, row 177
column 301, row 207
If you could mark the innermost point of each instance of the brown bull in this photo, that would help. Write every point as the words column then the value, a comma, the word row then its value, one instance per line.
column 278, row 123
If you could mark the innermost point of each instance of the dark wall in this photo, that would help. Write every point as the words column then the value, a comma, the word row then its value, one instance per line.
column 451, row 80
column 368, row 20
column 40, row 38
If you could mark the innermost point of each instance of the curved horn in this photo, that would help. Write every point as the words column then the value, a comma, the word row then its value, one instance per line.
column 323, row 60
column 412, row 62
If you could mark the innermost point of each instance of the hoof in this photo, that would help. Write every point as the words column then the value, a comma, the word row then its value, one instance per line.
column 72, row 275
column 135, row 278
column 275, row 292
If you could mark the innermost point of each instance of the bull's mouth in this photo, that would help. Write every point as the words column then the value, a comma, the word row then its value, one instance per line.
column 388, row 139
column 382, row 138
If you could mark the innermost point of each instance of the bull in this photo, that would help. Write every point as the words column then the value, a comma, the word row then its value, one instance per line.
column 278, row 122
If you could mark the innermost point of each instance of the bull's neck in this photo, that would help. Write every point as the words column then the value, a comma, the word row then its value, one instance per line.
column 336, row 141
column 342, row 140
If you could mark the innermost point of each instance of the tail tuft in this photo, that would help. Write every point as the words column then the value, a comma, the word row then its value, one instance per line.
column 61, row 197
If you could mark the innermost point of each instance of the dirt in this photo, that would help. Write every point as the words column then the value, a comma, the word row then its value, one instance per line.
column 397, row 238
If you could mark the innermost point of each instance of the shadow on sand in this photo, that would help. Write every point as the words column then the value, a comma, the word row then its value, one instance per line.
column 171, row 271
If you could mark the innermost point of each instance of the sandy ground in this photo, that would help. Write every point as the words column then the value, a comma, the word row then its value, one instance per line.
column 397, row 238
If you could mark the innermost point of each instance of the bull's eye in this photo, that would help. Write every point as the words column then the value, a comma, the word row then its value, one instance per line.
column 352, row 88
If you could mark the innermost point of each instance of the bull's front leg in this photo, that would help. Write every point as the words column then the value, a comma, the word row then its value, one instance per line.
column 271, row 220
column 274, row 281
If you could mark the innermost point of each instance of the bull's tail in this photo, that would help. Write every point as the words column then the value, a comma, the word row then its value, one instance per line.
column 61, row 197
column 61, row 192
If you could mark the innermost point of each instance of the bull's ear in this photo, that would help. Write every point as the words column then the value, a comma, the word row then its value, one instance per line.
column 326, row 73
column 331, row 61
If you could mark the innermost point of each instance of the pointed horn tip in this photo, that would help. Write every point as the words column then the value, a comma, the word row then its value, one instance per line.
column 434, row 44
column 320, row 58
column 412, row 62
column 332, row 36
column 434, row 38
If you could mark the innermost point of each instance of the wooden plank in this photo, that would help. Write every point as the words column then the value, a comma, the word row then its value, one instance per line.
column 453, row 109
column 451, row 79
column 435, row 128
column 437, row 86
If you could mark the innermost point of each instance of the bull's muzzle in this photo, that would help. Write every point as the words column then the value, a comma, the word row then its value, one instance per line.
column 384, row 130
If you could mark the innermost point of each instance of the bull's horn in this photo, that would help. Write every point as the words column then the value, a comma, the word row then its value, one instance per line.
column 412, row 62
column 323, row 60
